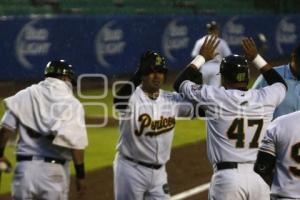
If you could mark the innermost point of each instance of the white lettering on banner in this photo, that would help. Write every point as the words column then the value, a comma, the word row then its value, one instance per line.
column 109, row 42
column 232, row 32
column 31, row 41
column 285, row 34
column 175, row 37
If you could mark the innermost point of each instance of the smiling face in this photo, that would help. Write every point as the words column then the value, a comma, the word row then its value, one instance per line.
column 152, row 82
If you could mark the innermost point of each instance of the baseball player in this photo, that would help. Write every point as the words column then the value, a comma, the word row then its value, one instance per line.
column 210, row 70
column 280, row 148
column 147, row 121
column 50, row 123
column 236, row 119
column 291, row 74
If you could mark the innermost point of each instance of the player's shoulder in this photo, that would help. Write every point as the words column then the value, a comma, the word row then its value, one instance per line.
column 285, row 125
column 201, row 40
column 288, row 119
column 222, row 41
column 215, row 93
column 269, row 93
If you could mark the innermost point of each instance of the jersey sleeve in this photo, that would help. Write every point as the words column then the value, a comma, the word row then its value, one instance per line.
column 194, row 92
column 273, row 94
column 9, row 121
column 184, row 107
column 268, row 143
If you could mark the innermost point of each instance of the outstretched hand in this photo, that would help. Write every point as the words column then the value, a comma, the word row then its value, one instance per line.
column 249, row 48
column 209, row 46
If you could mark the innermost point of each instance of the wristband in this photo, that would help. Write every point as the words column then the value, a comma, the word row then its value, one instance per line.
column 1, row 152
column 198, row 61
column 80, row 173
column 259, row 62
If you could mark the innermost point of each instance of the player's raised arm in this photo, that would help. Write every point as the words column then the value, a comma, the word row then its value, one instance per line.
column 123, row 94
column 191, row 72
column 251, row 53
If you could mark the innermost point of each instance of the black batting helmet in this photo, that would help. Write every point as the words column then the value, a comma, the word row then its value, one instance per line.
column 57, row 68
column 235, row 69
column 152, row 62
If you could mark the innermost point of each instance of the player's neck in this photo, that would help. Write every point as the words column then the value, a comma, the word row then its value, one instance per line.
column 152, row 94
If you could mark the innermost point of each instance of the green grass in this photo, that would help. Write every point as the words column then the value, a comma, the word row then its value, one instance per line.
column 97, row 110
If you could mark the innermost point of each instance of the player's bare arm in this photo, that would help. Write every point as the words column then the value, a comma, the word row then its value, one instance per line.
column 266, row 69
column 5, row 164
column 206, row 53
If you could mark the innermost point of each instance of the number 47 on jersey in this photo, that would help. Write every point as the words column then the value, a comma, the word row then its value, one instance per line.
column 236, row 131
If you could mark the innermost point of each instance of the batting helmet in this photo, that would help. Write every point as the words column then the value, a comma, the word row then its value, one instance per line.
column 152, row 62
column 59, row 68
column 235, row 69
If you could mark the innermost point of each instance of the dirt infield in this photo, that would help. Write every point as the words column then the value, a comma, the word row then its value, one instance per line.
column 187, row 168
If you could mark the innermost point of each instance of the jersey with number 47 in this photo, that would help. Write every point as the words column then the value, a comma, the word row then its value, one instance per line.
column 282, row 140
column 236, row 120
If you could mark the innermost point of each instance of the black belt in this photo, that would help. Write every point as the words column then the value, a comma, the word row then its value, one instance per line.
column 21, row 158
column 149, row 165
column 281, row 197
column 227, row 165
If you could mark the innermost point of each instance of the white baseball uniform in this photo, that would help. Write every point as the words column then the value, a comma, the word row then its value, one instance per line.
column 236, row 122
column 144, row 146
column 282, row 140
column 211, row 69
column 50, row 121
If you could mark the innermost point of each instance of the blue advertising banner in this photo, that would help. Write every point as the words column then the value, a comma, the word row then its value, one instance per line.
column 112, row 44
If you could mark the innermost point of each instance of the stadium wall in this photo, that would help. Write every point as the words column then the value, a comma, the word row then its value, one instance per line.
column 112, row 44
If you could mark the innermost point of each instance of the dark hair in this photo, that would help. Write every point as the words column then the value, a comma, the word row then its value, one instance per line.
column 212, row 26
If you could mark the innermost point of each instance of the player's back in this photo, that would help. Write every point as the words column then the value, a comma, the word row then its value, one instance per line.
column 237, row 120
column 285, row 134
